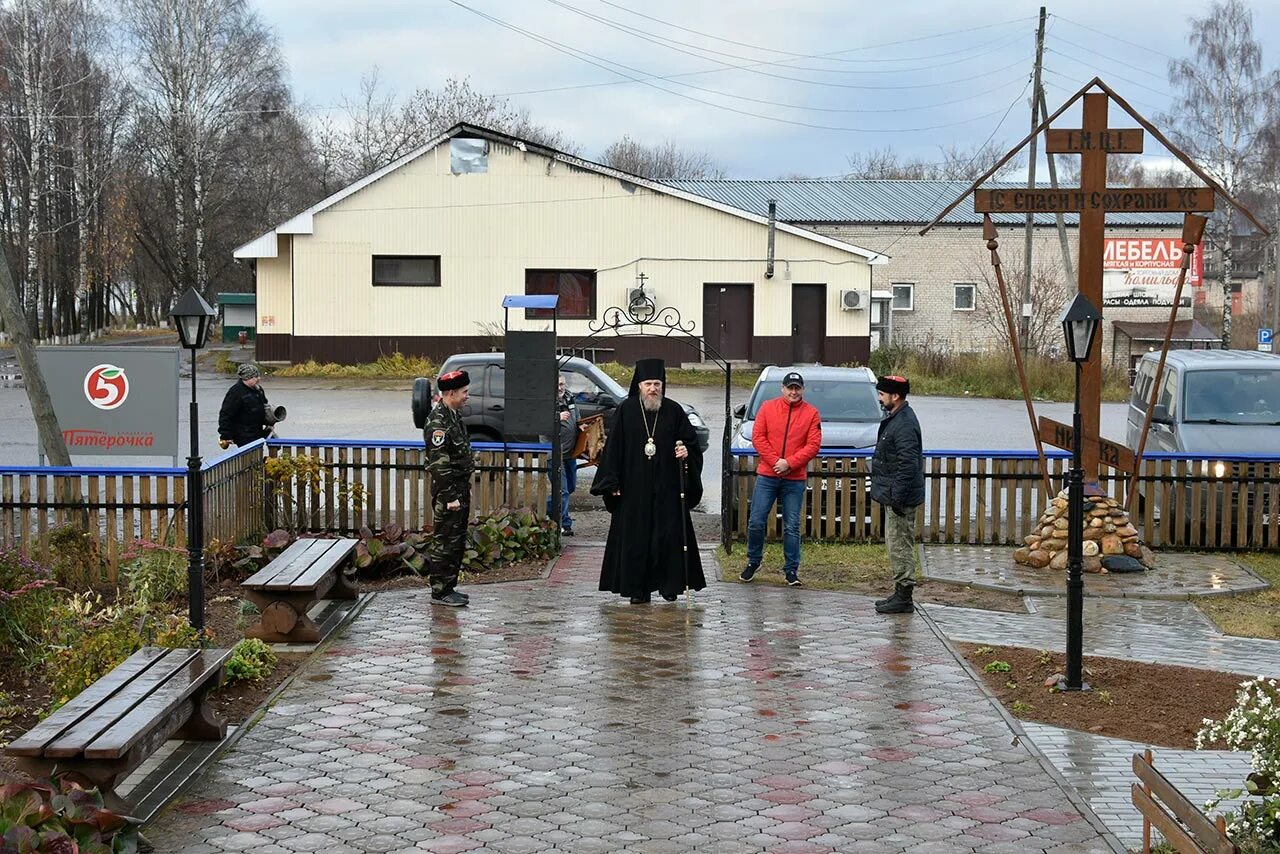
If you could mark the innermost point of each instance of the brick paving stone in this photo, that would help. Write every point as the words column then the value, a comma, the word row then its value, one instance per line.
column 1157, row 632
column 1176, row 576
column 1100, row 769
column 550, row 716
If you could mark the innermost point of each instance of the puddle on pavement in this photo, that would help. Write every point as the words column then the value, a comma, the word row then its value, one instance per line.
column 319, row 677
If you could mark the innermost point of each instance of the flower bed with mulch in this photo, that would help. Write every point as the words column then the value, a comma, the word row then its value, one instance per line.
column 1152, row 703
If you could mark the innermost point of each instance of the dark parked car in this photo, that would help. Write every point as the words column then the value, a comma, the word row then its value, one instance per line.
column 592, row 390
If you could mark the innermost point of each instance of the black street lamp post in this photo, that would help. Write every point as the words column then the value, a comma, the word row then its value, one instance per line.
column 192, row 316
column 1080, row 324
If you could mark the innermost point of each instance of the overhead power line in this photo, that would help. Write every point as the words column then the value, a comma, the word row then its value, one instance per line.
column 854, row 110
column 977, row 153
column 1161, row 77
column 599, row 62
column 678, row 46
column 1108, row 73
column 834, row 55
column 1114, row 37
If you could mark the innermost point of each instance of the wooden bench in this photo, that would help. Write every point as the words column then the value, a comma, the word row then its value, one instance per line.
column 1182, row 824
column 283, row 590
column 111, row 727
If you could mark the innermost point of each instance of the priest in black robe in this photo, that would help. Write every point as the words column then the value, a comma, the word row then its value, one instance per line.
column 651, row 544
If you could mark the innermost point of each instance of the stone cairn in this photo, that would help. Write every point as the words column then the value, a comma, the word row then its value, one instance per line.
column 1108, row 533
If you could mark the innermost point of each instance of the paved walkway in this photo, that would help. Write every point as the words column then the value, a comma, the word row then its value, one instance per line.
column 1135, row 630
column 1101, row 770
column 1176, row 576
column 1128, row 617
column 548, row 715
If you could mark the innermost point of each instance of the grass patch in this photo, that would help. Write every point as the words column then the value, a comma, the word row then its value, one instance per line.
column 936, row 372
column 396, row 366
column 861, row 567
column 1252, row 615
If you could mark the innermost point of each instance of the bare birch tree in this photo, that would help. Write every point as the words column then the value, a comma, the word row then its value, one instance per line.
column 662, row 161
column 1050, row 291
column 1223, row 100
column 956, row 163
column 37, row 37
column 373, row 130
column 201, row 65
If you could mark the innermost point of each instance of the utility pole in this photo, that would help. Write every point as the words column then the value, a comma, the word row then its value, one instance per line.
column 1067, row 266
column 1031, row 185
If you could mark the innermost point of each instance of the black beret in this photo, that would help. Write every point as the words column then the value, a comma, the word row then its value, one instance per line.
column 453, row 380
column 894, row 385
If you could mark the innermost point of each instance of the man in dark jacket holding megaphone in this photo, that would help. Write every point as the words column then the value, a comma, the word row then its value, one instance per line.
column 245, row 414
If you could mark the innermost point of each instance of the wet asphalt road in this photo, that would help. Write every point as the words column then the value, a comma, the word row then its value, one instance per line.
column 342, row 409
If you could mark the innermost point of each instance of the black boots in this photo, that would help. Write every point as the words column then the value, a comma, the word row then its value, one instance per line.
column 899, row 602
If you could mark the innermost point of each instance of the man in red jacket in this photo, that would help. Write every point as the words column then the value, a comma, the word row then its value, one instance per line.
column 787, row 434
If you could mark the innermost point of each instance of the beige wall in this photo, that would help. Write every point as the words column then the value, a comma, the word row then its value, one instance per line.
column 275, row 303
column 948, row 255
column 527, row 212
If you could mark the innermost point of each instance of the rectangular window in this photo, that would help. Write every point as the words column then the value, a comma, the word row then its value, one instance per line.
column 966, row 296
column 497, row 381
column 577, row 290
column 406, row 271
column 904, row 296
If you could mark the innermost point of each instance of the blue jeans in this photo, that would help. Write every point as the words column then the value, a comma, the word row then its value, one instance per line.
column 766, row 492
column 568, row 483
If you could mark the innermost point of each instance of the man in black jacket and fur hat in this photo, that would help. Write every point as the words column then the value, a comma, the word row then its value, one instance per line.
column 651, row 544
column 897, row 483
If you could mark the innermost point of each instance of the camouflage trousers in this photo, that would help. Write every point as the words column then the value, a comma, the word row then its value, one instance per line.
column 448, row 542
column 900, row 538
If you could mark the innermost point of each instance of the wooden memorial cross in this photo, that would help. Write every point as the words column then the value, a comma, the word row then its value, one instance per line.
column 1092, row 200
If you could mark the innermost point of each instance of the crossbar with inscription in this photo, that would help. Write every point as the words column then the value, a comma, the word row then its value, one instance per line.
column 1109, row 453
column 1161, row 199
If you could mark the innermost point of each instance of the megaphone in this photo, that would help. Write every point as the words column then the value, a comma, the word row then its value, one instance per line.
column 275, row 415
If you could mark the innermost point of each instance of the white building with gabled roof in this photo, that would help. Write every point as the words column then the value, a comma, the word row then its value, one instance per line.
column 416, row 258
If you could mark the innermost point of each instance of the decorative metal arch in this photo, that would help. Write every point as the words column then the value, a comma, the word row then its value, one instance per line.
column 643, row 317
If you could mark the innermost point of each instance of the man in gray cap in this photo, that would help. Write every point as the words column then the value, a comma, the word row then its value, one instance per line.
column 897, row 483
column 787, row 434
column 243, row 416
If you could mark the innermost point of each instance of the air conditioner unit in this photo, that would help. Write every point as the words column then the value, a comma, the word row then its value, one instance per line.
column 635, row 295
column 850, row 300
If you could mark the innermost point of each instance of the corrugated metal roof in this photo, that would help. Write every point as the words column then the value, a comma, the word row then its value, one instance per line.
column 902, row 201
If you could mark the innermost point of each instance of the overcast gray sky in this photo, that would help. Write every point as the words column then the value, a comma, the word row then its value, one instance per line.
column 766, row 88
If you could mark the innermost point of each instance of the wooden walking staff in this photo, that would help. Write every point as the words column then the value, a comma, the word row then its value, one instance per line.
column 684, row 532
column 992, row 237
column 1192, row 232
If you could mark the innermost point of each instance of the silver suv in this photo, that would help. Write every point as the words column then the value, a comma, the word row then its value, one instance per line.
column 845, row 397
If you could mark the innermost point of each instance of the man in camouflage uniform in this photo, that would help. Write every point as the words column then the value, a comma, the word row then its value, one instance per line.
column 450, row 464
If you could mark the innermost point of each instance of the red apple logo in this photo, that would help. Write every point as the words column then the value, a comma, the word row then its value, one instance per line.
column 106, row 386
